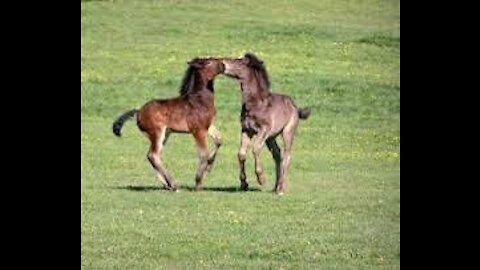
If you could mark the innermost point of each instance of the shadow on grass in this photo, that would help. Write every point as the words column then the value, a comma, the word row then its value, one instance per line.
column 141, row 188
column 218, row 189
column 183, row 188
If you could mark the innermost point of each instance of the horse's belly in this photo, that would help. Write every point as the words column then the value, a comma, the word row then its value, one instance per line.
column 178, row 125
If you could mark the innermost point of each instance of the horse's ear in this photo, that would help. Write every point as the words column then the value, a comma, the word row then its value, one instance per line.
column 251, row 60
column 247, row 60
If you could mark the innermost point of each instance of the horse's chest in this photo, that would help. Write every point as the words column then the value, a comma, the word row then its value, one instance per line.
column 250, row 119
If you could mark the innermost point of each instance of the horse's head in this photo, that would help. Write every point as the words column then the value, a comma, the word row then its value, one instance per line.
column 245, row 67
column 240, row 68
column 208, row 67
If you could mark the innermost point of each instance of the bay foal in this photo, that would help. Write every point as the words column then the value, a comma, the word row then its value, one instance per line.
column 264, row 116
column 192, row 112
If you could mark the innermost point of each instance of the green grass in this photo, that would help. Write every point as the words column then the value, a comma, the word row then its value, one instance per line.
column 342, row 210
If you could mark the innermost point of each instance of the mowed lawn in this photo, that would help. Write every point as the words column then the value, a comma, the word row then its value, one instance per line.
column 342, row 209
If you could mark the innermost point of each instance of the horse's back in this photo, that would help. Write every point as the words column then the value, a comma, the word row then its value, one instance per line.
column 283, row 103
column 159, row 113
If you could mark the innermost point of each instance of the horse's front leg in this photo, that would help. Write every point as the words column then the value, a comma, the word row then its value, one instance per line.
column 242, row 157
column 217, row 140
column 201, row 141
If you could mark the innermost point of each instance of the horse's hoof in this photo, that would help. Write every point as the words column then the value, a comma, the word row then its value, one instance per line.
column 173, row 189
column 244, row 187
column 262, row 185
column 198, row 188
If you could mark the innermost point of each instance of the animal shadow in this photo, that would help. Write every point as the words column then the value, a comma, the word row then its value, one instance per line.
column 230, row 189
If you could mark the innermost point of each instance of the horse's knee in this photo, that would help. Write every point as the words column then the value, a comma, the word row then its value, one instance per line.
column 256, row 150
column 287, row 153
column 219, row 141
column 258, row 170
column 242, row 156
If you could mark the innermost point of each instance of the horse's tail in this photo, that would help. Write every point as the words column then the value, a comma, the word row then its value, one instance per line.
column 304, row 113
column 118, row 124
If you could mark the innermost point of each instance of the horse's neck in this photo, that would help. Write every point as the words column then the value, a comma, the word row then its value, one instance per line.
column 253, row 92
column 202, row 89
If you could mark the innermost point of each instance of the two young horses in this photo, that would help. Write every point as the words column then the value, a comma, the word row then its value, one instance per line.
column 264, row 116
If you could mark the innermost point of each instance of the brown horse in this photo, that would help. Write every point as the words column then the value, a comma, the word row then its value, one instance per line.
column 192, row 112
column 264, row 116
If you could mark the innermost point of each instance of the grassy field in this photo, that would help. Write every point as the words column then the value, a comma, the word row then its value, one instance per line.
column 342, row 209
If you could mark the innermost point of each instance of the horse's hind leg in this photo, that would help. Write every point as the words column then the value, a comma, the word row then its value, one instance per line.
column 201, row 141
column 258, row 144
column 277, row 156
column 288, row 134
column 156, row 146
column 217, row 140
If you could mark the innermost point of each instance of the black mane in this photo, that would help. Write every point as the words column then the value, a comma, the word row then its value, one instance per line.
column 257, row 65
column 188, row 80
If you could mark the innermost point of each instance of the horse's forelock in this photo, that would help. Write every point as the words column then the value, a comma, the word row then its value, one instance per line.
column 254, row 61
